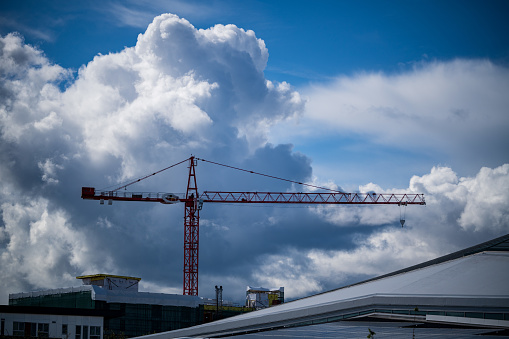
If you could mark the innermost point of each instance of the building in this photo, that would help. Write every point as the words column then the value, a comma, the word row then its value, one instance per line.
column 462, row 294
column 123, row 310
column 23, row 321
column 260, row 297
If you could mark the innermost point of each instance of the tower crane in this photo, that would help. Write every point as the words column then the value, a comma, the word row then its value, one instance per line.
column 193, row 203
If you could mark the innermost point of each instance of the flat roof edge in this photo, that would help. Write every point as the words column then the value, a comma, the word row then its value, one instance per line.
column 102, row 276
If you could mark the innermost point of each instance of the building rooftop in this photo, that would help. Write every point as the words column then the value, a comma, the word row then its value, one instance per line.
column 465, row 288
column 117, row 296
column 104, row 276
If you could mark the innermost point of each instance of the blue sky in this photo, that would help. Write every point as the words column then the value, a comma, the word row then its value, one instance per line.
column 400, row 96
column 307, row 42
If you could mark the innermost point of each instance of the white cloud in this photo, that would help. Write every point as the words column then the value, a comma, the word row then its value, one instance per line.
column 27, row 89
column 480, row 202
column 239, row 40
column 128, row 16
column 179, row 90
column 460, row 212
column 42, row 246
column 183, row 90
column 453, row 111
column 379, row 253
column 178, row 84
column 483, row 199
column 292, row 271
column 49, row 170
column 43, row 33
column 376, row 254
column 141, row 13
column 487, row 200
column 49, row 122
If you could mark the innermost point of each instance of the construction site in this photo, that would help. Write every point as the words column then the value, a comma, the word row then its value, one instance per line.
column 126, row 311
column 461, row 294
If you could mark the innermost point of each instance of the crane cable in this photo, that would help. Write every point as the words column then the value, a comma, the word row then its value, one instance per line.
column 270, row 176
column 228, row 166
column 149, row 175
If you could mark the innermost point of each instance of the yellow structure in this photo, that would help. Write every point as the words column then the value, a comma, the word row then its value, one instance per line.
column 260, row 297
column 111, row 282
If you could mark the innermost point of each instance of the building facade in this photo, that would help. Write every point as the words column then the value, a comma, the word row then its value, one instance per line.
column 50, row 323
column 116, row 300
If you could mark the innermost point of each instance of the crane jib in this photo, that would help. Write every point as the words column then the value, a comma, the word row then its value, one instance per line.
column 313, row 198
column 259, row 197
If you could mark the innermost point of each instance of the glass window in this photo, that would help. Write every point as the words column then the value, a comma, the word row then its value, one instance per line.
column 64, row 329
column 18, row 329
column 85, row 332
column 497, row 316
column 95, row 332
column 42, row 330
column 78, row 332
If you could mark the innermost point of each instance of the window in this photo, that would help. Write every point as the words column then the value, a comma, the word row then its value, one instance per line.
column 498, row 316
column 85, row 332
column 95, row 332
column 78, row 332
column 18, row 329
column 64, row 329
column 42, row 330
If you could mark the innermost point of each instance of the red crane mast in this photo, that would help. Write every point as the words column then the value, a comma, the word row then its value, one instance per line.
column 193, row 203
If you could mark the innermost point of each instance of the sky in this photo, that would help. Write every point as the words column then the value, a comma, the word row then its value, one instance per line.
column 392, row 97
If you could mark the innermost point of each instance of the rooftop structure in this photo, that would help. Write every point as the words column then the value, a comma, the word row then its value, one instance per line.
column 466, row 288
column 88, row 295
column 111, row 282
column 260, row 297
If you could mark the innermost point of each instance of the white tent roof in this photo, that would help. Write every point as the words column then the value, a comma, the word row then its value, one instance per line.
column 474, row 281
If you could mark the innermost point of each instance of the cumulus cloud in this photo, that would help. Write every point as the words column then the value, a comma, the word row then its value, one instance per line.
column 28, row 88
column 41, row 246
column 319, row 270
column 478, row 203
column 178, row 91
column 49, row 171
column 181, row 91
column 203, row 86
column 460, row 212
column 484, row 198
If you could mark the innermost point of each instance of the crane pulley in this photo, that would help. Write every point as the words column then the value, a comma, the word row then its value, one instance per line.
column 193, row 203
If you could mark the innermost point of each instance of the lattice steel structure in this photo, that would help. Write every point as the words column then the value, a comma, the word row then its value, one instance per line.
column 193, row 202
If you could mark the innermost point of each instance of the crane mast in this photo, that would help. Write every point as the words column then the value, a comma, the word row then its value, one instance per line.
column 193, row 202
column 191, row 233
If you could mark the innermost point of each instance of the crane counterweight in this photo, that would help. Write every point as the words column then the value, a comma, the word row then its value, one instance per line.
column 164, row 198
